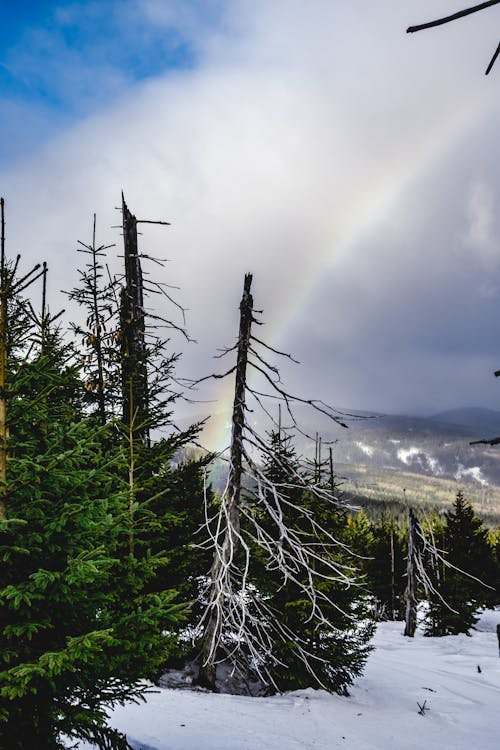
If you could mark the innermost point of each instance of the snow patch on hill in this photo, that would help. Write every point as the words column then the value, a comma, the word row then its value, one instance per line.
column 413, row 455
column 368, row 450
column 474, row 472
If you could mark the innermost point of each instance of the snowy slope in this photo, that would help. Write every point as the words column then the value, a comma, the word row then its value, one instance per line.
column 381, row 713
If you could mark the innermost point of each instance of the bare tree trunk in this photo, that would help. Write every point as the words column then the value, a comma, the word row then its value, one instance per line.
column 332, row 474
column 411, row 587
column 101, row 402
column 393, row 597
column 207, row 674
column 131, row 479
column 133, row 333
column 3, row 371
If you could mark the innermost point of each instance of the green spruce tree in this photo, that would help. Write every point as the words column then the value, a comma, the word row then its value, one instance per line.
column 333, row 630
column 79, row 625
column 463, row 586
column 85, row 615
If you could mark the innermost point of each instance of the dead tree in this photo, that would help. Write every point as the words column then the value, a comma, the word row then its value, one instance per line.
column 454, row 17
column 413, row 559
column 424, row 558
column 133, row 333
column 393, row 576
column 231, row 543
column 145, row 368
column 238, row 625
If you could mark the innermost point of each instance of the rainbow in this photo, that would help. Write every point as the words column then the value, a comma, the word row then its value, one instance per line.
column 374, row 201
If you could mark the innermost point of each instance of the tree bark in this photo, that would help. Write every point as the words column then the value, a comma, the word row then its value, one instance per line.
column 133, row 334
column 393, row 588
column 411, row 587
column 98, row 331
column 208, row 669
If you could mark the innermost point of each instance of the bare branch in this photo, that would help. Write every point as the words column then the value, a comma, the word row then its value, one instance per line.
column 493, row 59
column 493, row 441
column 453, row 17
column 271, row 368
column 288, row 398
column 148, row 221
column 276, row 351
column 213, row 376
column 225, row 350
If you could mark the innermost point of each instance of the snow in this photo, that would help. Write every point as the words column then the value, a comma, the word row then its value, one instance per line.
column 406, row 455
column 366, row 449
column 474, row 471
column 382, row 713
column 414, row 455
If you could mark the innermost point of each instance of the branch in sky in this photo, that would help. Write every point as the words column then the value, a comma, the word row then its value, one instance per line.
column 454, row 17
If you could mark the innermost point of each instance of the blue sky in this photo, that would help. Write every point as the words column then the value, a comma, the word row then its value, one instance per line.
column 352, row 167
column 61, row 61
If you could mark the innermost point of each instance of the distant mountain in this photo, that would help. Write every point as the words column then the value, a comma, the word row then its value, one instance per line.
column 482, row 421
column 396, row 458
column 438, row 445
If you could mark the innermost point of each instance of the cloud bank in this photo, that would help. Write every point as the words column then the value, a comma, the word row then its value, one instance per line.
column 349, row 166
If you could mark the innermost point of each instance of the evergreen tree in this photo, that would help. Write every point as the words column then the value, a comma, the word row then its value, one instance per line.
column 335, row 642
column 494, row 541
column 79, row 625
column 460, row 589
column 99, row 333
column 379, row 546
column 129, row 373
column 297, row 545
column 85, row 614
column 386, row 568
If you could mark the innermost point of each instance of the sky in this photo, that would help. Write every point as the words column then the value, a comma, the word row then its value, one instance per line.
column 351, row 167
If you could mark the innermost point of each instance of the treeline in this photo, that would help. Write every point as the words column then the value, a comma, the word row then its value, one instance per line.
column 96, row 523
column 463, row 578
column 117, row 559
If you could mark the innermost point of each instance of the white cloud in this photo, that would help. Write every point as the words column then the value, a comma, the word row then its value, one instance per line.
column 481, row 234
column 321, row 148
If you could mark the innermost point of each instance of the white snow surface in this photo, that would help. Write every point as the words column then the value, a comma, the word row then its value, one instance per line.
column 474, row 471
column 416, row 455
column 368, row 450
column 381, row 713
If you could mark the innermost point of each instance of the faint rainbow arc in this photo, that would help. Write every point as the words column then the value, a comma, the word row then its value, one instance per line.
column 335, row 240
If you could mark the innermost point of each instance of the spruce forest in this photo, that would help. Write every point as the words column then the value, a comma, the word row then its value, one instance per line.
column 119, row 562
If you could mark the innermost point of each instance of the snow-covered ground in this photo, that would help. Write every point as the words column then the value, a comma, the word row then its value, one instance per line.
column 456, row 677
